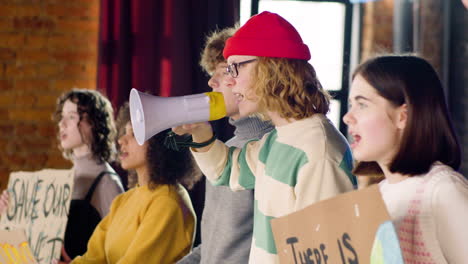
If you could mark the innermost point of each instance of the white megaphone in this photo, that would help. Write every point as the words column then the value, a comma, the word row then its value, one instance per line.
column 151, row 114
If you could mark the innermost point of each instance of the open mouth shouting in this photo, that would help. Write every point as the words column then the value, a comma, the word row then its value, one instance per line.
column 123, row 155
column 355, row 139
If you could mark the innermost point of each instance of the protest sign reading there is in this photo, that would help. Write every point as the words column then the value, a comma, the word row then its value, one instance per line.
column 39, row 204
column 351, row 228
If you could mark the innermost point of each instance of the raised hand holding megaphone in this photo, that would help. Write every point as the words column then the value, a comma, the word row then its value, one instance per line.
column 152, row 114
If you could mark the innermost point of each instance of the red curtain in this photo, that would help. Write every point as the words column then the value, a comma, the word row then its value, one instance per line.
column 154, row 46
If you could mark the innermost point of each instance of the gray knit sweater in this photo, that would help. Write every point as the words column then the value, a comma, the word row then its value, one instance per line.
column 227, row 221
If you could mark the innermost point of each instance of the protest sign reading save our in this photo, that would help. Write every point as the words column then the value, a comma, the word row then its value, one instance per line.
column 352, row 228
column 39, row 204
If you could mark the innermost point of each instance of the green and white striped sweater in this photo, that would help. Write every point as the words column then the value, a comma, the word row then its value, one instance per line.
column 290, row 168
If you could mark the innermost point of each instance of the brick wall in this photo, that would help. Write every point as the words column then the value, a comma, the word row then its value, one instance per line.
column 431, row 33
column 46, row 48
column 377, row 28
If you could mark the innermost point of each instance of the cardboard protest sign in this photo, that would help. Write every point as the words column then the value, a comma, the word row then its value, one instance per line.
column 352, row 228
column 14, row 248
column 39, row 204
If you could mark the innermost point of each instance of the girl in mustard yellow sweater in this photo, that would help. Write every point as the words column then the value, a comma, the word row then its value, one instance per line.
column 153, row 222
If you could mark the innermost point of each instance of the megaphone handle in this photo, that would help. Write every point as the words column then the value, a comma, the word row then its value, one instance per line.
column 171, row 142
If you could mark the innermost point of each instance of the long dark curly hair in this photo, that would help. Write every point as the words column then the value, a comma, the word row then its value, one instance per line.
column 166, row 166
column 98, row 112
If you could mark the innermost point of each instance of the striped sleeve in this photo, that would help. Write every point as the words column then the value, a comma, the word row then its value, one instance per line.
column 319, row 180
column 233, row 167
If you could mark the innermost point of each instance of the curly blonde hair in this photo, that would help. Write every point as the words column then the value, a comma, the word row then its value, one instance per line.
column 289, row 87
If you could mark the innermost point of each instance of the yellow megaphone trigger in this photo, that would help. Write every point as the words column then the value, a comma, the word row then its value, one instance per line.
column 217, row 105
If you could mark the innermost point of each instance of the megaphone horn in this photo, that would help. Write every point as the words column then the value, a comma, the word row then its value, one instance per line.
column 152, row 114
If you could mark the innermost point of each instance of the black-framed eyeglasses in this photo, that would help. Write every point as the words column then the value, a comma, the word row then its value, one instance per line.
column 233, row 68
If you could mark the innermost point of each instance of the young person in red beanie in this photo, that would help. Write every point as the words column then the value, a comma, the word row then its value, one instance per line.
column 304, row 159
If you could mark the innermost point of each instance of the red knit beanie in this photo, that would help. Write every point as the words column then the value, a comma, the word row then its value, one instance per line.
column 267, row 35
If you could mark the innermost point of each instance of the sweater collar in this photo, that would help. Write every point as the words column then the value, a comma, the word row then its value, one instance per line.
column 316, row 119
column 250, row 127
column 86, row 164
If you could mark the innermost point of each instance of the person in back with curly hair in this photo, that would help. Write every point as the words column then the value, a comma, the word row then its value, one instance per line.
column 86, row 132
column 153, row 222
column 87, row 137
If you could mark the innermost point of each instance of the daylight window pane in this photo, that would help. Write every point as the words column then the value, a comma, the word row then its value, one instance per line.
column 245, row 11
column 321, row 25
column 334, row 114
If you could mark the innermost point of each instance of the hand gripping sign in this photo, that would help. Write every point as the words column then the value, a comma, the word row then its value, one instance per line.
column 39, row 204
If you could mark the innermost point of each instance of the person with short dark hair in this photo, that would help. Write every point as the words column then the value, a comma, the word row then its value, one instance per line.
column 401, row 128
